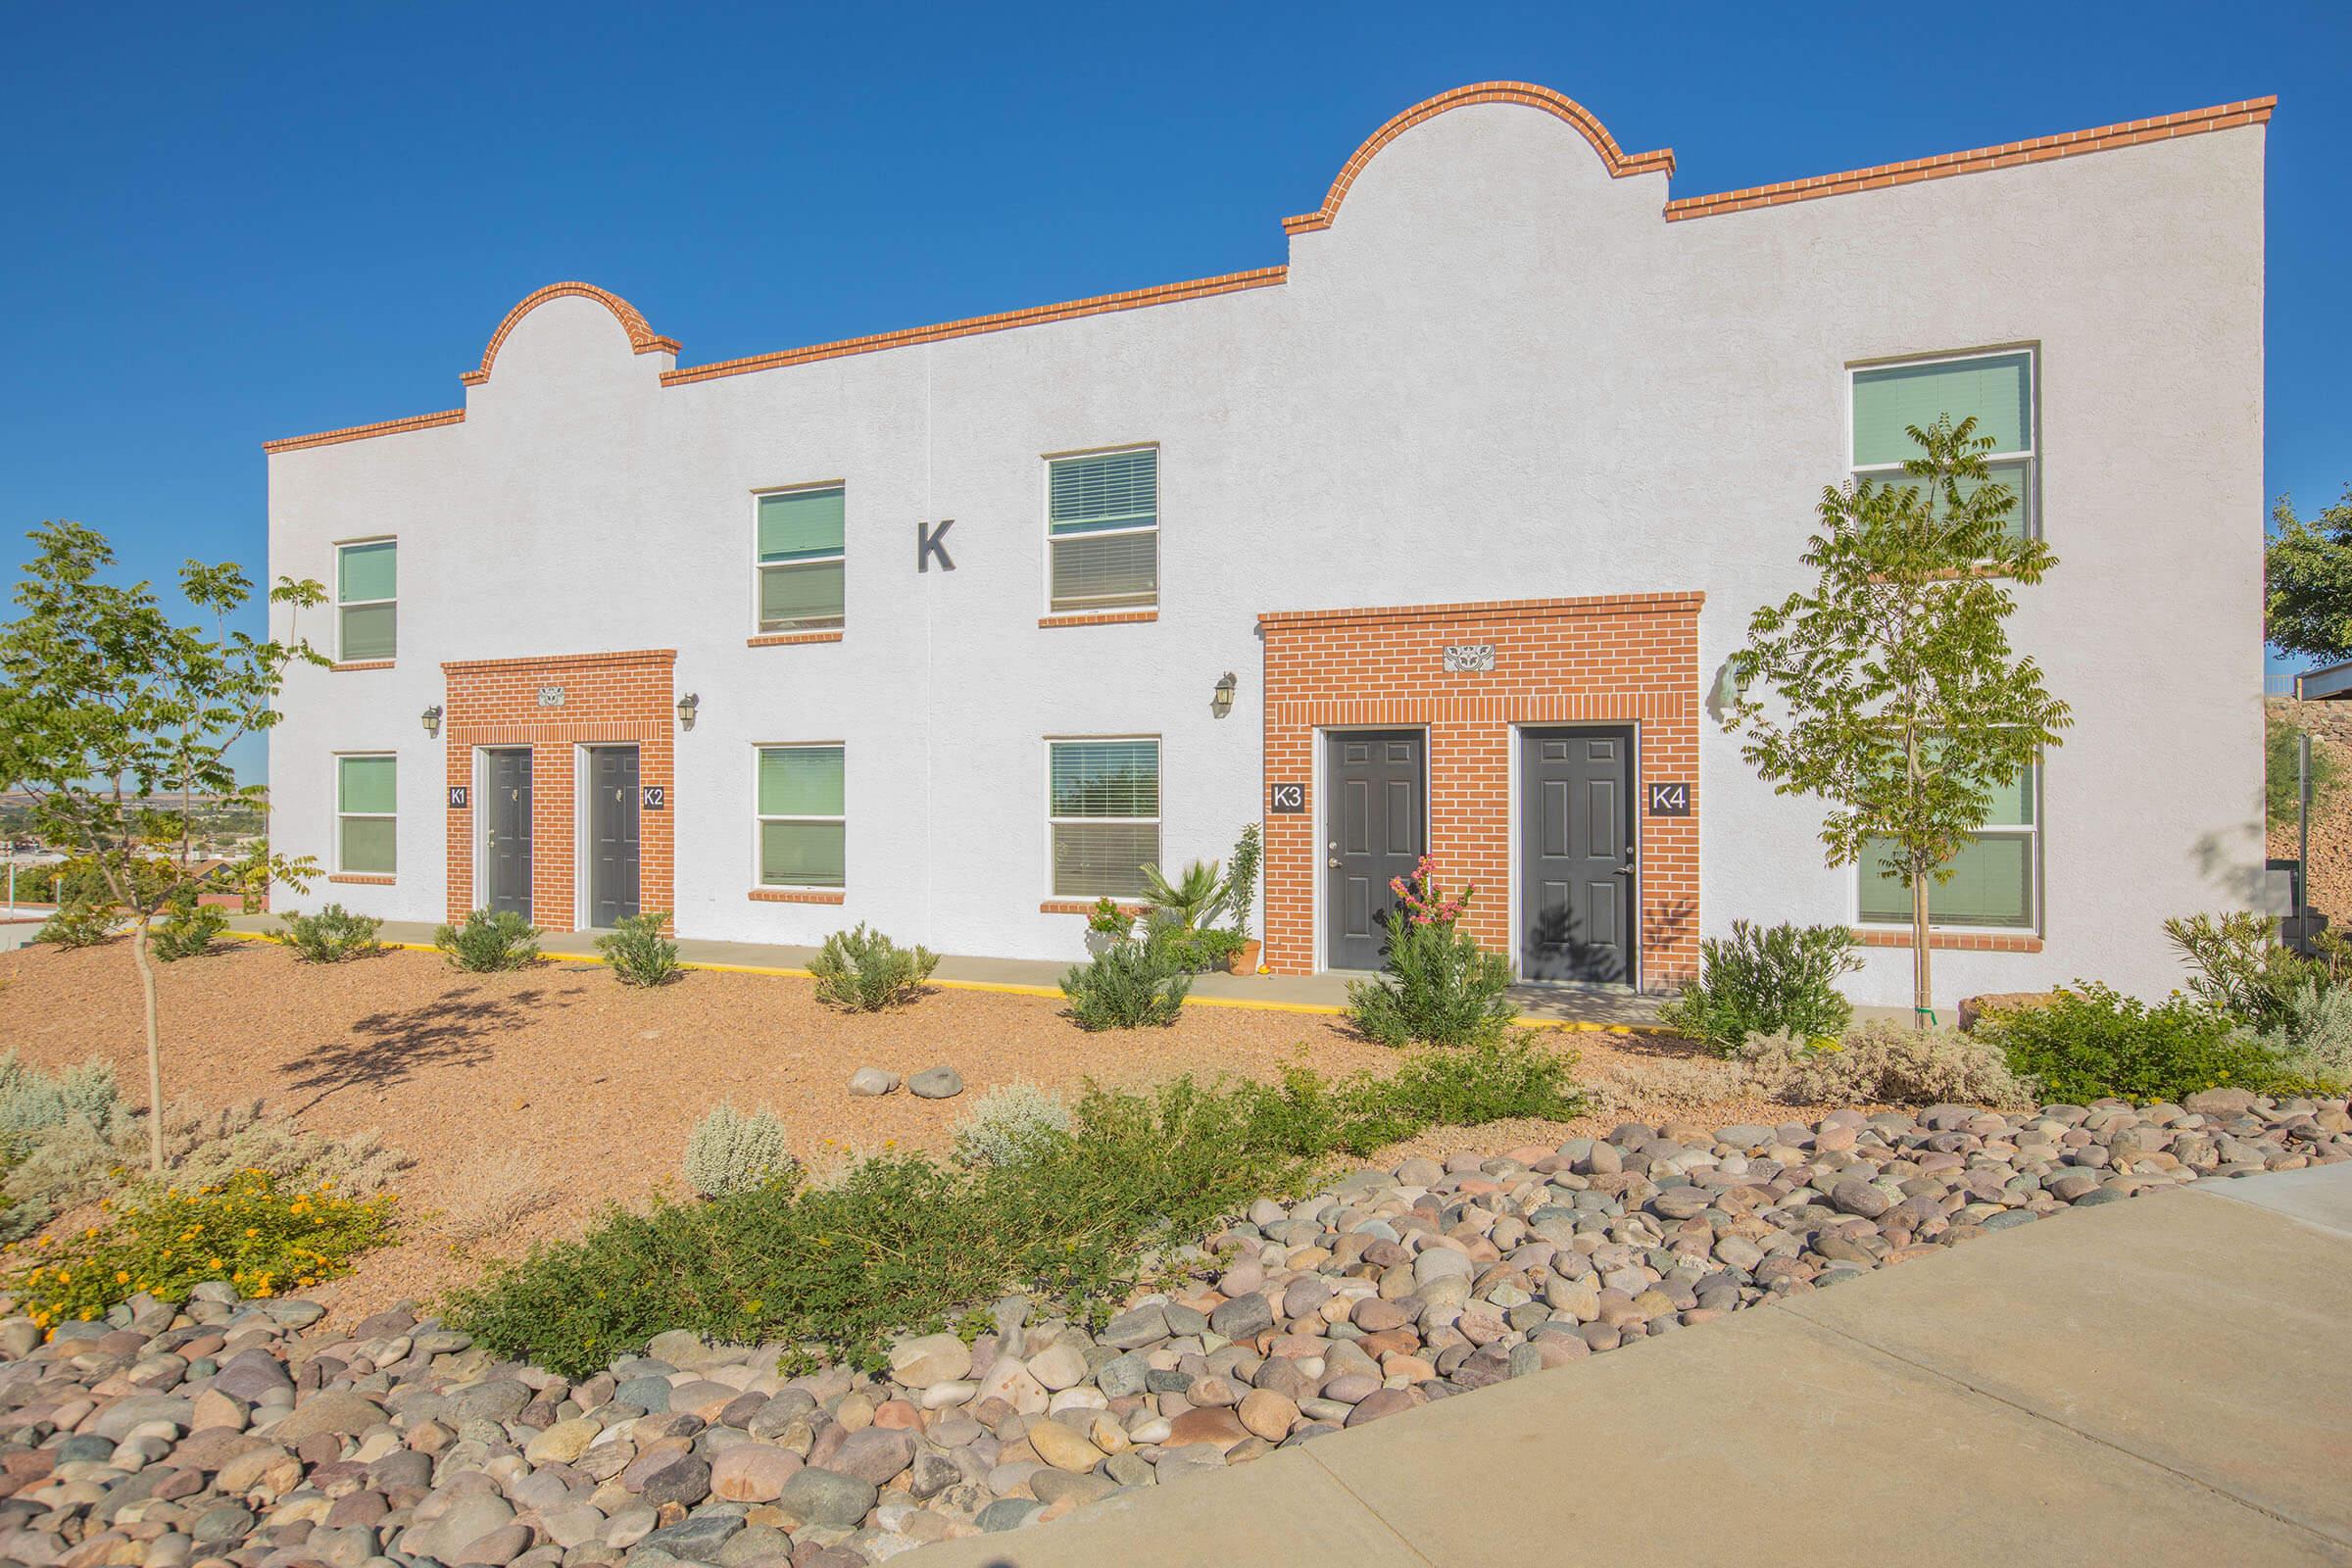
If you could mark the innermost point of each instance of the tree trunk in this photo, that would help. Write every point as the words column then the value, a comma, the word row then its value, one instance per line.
column 155, row 1055
column 1923, row 991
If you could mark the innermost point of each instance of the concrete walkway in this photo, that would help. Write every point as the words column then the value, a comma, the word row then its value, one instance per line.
column 2158, row 1382
column 1574, row 1006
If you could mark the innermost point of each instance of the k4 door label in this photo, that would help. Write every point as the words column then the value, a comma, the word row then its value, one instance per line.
column 1670, row 799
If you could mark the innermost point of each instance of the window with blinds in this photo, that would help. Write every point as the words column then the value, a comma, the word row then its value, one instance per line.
column 1103, row 809
column 366, row 595
column 367, row 814
column 801, row 550
column 1103, row 530
column 1994, row 880
column 1996, row 389
column 803, row 826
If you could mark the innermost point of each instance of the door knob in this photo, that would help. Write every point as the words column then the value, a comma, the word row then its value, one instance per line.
column 1334, row 861
column 1625, row 870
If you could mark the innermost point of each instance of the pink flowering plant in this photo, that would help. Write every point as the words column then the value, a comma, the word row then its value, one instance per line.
column 1438, row 987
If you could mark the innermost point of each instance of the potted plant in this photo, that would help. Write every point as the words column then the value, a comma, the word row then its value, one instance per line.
column 1107, row 926
column 1240, row 893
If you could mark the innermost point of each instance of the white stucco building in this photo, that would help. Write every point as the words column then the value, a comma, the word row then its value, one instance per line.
column 1438, row 534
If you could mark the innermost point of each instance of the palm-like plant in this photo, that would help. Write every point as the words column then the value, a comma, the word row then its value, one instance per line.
column 1192, row 902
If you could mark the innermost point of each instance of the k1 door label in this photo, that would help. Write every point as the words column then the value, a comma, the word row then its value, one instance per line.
column 1285, row 799
column 1670, row 799
column 459, row 795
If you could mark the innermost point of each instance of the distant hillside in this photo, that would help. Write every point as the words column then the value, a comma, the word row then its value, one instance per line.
column 2330, row 726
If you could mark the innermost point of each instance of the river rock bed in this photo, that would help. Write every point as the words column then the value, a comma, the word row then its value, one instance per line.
column 250, row 1433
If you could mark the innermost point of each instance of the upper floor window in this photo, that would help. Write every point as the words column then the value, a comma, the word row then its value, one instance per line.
column 367, row 808
column 803, row 817
column 1103, row 530
column 367, row 591
column 1994, row 880
column 1996, row 389
column 1103, row 806
column 801, row 550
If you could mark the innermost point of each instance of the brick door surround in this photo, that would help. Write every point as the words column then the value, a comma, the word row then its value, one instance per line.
column 1615, row 658
column 606, row 699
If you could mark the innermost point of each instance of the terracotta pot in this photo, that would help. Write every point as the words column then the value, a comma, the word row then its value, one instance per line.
column 1246, row 960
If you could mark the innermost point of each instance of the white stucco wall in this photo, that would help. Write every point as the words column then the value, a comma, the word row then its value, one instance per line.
column 1500, row 374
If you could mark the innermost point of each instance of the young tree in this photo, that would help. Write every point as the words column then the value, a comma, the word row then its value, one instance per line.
column 2307, row 603
column 107, row 709
column 1895, row 696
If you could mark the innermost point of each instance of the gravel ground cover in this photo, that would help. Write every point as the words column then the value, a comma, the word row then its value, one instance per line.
column 255, row 1433
column 530, row 1101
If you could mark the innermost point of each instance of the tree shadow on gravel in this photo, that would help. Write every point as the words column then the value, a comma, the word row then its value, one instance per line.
column 391, row 1048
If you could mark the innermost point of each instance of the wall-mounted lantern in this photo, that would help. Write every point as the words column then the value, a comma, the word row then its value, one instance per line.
column 1222, row 703
column 432, row 719
column 686, row 710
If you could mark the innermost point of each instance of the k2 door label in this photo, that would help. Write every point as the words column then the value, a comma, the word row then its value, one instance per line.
column 652, row 797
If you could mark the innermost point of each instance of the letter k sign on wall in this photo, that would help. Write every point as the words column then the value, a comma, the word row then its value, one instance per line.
column 931, row 540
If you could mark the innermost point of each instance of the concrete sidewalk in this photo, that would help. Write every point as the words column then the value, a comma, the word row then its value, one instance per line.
column 1577, row 1007
column 2155, row 1383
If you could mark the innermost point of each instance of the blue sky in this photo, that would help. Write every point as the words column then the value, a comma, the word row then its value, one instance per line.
column 230, row 224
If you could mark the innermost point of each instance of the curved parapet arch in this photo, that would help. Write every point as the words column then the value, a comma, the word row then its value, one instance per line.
column 1616, row 159
column 643, row 339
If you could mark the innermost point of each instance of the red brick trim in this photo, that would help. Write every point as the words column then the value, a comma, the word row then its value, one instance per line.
column 1976, row 160
column 360, row 432
column 363, row 879
column 1618, row 162
column 1951, row 941
column 1498, row 610
column 1121, row 617
column 361, row 664
column 797, row 895
column 975, row 325
column 788, row 639
column 1133, row 911
column 641, row 656
column 643, row 339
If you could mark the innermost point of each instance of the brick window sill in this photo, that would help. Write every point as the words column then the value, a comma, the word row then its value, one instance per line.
column 1122, row 617
column 365, row 879
column 1952, row 941
column 797, row 895
column 789, row 639
column 1133, row 911
column 361, row 664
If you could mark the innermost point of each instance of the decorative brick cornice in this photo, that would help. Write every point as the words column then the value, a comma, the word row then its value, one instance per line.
column 1951, row 941
column 638, row 656
column 1499, row 609
column 1105, row 618
column 360, row 432
column 1615, row 158
column 643, row 339
column 2009, row 155
column 972, row 327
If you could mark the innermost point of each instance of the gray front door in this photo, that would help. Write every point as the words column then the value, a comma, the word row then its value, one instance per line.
column 1576, row 855
column 507, row 833
column 611, row 834
column 1375, row 810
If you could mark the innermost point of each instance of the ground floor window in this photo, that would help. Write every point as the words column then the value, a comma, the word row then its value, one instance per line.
column 1994, row 880
column 1103, row 806
column 802, row 825
column 367, row 820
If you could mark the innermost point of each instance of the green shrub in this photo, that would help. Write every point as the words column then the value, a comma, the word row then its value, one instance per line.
column 332, row 936
column 188, row 933
column 259, row 1235
column 638, row 952
column 2280, row 791
column 1193, row 952
column 733, row 1152
column 1241, row 878
column 34, row 1103
column 2090, row 1042
column 1439, row 988
column 1192, row 902
column 489, row 941
column 1130, row 985
column 1107, row 919
column 2237, row 966
column 79, row 925
column 2314, row 1042
column 1781, row 980
column 865, row 971
column 1489, row 1080
column 1005, row 1123
column 1885, row 1063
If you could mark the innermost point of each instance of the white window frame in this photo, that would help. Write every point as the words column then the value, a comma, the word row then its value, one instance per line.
column 761, row 569
column 2031, row 831
column 1045, row 509
column 1158, row 820
column 2029, row 500
column 341, row 815
column 342, row 604
column 761, row 820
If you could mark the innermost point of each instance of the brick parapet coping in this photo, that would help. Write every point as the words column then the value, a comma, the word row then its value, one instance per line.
column 2009, row 155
